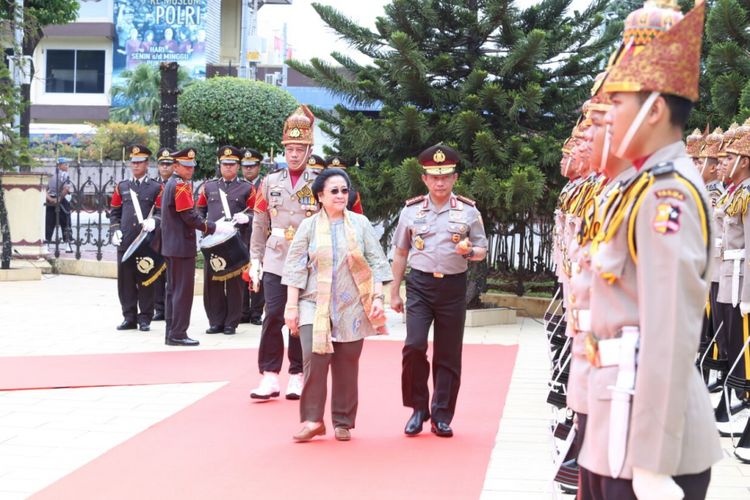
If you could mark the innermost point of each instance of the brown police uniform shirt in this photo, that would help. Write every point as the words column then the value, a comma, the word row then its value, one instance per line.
column 279, row 210
column 672, row 428
column 718, row 196
column 431, row 234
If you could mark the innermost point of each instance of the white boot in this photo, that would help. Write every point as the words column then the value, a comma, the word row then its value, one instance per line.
column 743, row 454
column 294, row 387
column 268, row 387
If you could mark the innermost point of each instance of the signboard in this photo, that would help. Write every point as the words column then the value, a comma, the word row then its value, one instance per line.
column 156, row 31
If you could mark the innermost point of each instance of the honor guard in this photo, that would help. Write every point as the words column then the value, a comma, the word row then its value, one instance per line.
column 135, row 208
column 355, row 200
column 437, row 234
column 650, row 431
column 180, row 220
column 252, row 302
column 165, row 164
column 707, row 153
column 316, row 162
column 736, row 224
column 734, row 290
column 283, row 201
column 227, row 198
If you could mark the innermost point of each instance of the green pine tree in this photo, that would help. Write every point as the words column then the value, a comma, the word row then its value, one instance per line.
column 502, row 85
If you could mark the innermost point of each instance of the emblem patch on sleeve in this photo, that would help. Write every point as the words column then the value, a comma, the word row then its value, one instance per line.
column 670, row 193
column 667, row 220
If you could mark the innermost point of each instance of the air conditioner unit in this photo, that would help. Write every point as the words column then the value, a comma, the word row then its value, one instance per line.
column 271, row 78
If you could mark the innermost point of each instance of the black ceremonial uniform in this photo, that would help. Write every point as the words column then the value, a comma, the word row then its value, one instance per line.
column 134, row 294
column 180, row 220
column 222, row 298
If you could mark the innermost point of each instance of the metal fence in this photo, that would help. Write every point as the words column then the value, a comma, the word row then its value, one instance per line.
column 82, row 221
column 524, row 247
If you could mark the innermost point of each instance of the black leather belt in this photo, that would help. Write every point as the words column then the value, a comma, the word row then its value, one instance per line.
column 437, row 275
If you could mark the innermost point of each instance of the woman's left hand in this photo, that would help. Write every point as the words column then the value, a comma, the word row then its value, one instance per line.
column 377, row 310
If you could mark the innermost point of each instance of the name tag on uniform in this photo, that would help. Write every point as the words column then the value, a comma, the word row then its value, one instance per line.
column 275, row 193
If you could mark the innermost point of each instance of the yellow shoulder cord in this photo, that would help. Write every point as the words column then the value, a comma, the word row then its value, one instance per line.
column 702, row 214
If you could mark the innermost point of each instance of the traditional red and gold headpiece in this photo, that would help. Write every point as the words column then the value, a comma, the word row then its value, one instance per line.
column 694, row 143
column 669, row 64
column 729, row 136
column 299, row 127
column 713, row 142
column 741, row 143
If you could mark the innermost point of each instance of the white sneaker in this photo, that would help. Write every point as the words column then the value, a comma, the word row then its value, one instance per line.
column 743, row 454
column 268, row 387
column 736, row 426
column 294, row 387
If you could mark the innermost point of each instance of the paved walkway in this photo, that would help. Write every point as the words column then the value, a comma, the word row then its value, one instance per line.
column 46, row 434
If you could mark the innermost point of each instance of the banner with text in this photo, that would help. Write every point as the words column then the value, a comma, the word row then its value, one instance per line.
column 156, row 31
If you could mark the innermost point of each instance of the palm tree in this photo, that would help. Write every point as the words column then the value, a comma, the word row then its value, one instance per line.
column 136, row 98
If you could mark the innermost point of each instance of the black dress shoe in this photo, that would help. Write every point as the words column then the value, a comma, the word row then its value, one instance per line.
column 187, row 341
column 414, row 425
column 441, row 429
column 144, row 327
column 158, row 317
column 256, row 321
column 230, row 330
column 127, row 325
column 215, row 329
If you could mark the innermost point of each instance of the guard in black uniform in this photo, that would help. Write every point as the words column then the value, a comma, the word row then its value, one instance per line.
column 355, row 201
column 135, row 206
column 165, row 163
column 222, row 296
column 252, row 302
column 438, row 233
column 180, row 220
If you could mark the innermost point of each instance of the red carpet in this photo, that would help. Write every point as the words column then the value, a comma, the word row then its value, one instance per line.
column 142, row 368
column 227, row 447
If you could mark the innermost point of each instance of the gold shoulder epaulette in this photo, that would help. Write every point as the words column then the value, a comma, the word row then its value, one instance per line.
column 466, row 200
column 414, row 200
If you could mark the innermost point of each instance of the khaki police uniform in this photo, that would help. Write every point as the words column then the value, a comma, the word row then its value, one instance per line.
column 435, row 292
column 651, row 272
column 279, row 209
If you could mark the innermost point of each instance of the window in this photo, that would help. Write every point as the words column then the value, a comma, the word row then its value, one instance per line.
column 75, row 71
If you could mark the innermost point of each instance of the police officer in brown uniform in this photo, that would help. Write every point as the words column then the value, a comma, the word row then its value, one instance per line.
column 222, row 298
column 132, row 202
column 180, row 220
column 165, row 164
column 252, row 302
column 283, row 201
column 355, row 200
column 650, row 431
column 438, row 234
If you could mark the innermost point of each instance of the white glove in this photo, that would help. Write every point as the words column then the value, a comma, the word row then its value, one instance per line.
column 256, row 274
column 648, row 485
column 149, row 225
column 117, row 238
column 224, row 227
column 241, row 218
column 69, row 197
column 744, row 308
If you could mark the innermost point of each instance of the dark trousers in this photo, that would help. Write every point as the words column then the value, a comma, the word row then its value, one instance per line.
column 54, row 219
column 179, row 299
column 223, row 300
column 344, row 363
column 719, row 319
column 160, row 291
column 271, row 348
column 737, row 335
column 252, row 303
column 596, row 487
column 133, row 295
column 442, row 301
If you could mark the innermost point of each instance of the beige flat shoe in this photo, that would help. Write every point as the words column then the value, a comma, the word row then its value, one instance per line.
column 306, row 433
column 342, row 434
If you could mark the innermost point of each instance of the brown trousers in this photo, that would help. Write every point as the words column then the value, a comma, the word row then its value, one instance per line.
column 344, row 363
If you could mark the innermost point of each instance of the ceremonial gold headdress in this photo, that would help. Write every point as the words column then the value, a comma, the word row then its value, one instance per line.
column 298, row 128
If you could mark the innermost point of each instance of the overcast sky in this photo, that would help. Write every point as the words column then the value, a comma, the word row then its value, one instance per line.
column 311, row 37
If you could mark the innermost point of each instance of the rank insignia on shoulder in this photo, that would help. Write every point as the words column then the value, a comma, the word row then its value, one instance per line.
column 667, row 219
column 416, row 199
column 670, row 193
column 663, row 168
column 466, row 200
